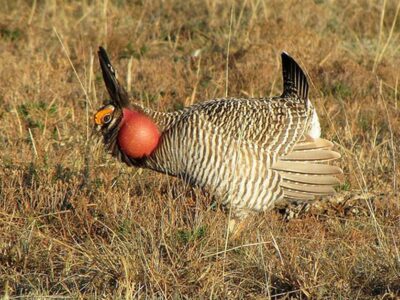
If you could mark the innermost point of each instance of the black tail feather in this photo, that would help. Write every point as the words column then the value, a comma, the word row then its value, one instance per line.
column 117, row 93
column 294, row 80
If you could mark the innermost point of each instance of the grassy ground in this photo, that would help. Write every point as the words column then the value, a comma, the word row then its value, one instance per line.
column 76, row 223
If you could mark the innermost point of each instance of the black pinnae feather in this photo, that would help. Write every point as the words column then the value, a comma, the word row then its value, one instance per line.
column 294, row 80
column 117, row 93
column 108, row 72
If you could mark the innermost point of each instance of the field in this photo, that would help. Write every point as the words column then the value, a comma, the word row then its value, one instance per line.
column 75, row 223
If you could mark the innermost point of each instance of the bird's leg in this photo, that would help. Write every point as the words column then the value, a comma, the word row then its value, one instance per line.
column 232, row 224
column 237, row 223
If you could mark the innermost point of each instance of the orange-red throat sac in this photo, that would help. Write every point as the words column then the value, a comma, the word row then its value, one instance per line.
column 138, row 136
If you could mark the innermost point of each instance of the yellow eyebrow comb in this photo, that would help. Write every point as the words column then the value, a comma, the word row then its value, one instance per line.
column 98, row 117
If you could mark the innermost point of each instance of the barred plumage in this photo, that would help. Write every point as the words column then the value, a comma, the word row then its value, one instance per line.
column 252, row 153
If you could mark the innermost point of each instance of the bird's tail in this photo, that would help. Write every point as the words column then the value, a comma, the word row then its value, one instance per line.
column 295, row 82
column 305, row 171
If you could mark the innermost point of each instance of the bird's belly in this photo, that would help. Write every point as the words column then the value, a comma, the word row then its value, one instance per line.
column 239, row 175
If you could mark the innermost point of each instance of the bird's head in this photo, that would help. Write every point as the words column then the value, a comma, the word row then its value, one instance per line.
column 107, row 118
column 127, row 130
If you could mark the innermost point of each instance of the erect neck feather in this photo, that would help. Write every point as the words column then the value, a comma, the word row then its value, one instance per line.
column 139, row 135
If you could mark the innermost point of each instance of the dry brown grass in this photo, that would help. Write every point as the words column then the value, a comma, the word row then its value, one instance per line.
column 76, row 223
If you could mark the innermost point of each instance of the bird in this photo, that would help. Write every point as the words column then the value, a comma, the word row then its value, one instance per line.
column 251, row 153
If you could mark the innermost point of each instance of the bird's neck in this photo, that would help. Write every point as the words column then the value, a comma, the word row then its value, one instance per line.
column 139, row 135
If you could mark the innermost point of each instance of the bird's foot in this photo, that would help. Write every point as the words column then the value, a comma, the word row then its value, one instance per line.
column 236, row 227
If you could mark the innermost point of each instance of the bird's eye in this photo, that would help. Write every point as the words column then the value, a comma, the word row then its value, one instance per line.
column 104, row 115
column 106, row 119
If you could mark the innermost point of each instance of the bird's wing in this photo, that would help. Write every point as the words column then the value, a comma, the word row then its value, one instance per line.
column 278, row 128
column 274, row 125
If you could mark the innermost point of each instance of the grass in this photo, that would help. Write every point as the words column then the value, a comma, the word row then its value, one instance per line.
column 74, row 223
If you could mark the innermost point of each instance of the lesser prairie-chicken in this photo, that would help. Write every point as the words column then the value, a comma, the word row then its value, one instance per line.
column 250, row 153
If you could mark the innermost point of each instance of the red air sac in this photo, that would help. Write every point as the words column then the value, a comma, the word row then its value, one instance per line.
column 138, row 136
